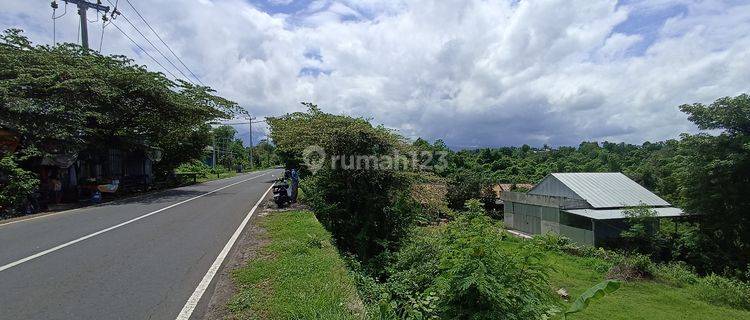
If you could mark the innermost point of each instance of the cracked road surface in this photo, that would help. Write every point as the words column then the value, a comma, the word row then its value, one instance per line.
column 139, row 258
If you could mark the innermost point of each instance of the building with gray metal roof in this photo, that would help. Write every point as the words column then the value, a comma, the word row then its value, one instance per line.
column 588, row 207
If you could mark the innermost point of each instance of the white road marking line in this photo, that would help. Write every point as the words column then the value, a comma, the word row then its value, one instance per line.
column 53, row 249
column 192, row 302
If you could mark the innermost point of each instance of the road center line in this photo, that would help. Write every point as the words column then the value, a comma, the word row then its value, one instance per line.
column 70, row 243
column 192, row 302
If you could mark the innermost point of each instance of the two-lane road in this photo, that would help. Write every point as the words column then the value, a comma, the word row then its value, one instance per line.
column 149, row 257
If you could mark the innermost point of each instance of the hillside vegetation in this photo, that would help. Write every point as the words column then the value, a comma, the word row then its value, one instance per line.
column 444, row 257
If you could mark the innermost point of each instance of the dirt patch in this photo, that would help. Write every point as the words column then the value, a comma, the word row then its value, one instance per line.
column 249, row 246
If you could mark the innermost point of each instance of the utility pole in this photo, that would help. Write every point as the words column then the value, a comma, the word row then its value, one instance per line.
column 83, row 6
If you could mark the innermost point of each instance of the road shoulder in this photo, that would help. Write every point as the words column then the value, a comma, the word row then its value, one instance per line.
column 277, row 272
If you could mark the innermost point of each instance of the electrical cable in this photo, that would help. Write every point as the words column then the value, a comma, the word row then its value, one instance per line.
column 54, row 20
column 144, row 51
column 163, row 42
column 154, row 46
column 101, row 38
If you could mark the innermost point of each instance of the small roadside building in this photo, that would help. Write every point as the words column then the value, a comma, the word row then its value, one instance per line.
column 588, row 208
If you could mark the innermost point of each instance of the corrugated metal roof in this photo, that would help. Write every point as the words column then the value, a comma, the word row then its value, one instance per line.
column 604, row 214
column 609, row 189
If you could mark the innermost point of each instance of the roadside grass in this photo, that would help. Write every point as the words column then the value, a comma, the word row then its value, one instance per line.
column 298, row 275
column 635, row 299
column 214, row 176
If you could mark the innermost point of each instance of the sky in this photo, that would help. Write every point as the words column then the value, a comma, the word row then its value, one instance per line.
column 471, row 72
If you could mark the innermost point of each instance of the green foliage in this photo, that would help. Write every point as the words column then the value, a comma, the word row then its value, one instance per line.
column 195, row 166
column 592, row 294
column 367, row 211
column 642, row 299
column 677, row 274
column 714, row 180
column 722, row 291
column 64, row 99
column 557, row 243
column 16, row 184
column 632, row 267
column 461, row 271
column 464, row 185
column 640, row 236
column 706, row 174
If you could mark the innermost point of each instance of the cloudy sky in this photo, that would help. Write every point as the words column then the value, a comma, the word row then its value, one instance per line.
column 473, row 73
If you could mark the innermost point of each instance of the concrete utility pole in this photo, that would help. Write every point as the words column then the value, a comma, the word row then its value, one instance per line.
column 83, row 6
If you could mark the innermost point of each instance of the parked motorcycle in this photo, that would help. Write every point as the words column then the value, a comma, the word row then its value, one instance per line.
column 280, row 191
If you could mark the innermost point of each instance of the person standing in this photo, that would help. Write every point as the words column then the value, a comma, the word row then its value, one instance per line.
column 295, row 184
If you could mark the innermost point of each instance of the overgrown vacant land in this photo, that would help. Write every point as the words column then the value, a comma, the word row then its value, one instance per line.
column 300, row 275
column 665, row 296
column 438, row 254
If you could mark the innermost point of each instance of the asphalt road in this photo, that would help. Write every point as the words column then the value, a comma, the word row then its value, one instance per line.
column 140, row 258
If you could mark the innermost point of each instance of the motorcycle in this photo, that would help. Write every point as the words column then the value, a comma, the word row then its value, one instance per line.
column 280, row 191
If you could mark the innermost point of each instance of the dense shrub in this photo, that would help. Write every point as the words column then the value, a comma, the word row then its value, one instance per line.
column 367, row 210
column 676, row 273
column 16, row 184
column 632, row 267
column 462, row 271
column 464, row 185
column 722, row 291
column 195, row 166
column 558, row 243
column 431, row 199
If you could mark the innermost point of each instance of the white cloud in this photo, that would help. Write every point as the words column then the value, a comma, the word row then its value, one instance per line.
column 470, row 72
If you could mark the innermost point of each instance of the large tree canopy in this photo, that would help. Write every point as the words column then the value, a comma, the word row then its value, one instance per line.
column 65, row 99
column 715, row 180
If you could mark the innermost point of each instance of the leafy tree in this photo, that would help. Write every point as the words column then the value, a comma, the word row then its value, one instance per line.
column 15, row 184
column 65, row 99
column 641, row 233
column 367, row 211
column 464, row 185
column 715, row 180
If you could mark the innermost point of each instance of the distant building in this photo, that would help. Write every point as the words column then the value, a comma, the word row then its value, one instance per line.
column 588, row 208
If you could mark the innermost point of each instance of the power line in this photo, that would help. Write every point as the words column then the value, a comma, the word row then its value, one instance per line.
column 101, row 39
column 152, row 45
column 144, row 51
column 163, row 42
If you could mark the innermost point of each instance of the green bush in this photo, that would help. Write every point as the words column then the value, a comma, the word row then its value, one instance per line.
column 464, row 185
column 195, row 166
column 677, row 274
column 632, row 267
column 461, row 270
column 558, row 243
column 16, row 184
column 367, row 210
column 722, row 291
